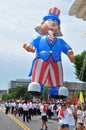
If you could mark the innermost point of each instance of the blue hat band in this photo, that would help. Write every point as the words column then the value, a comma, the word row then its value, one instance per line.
column 53, row 17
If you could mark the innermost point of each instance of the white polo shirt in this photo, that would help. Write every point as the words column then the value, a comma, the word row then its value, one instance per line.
column 71, row 120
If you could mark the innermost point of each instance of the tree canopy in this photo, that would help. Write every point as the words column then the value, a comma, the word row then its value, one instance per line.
column 17, row 93
column 21, row 92
column 80, row 66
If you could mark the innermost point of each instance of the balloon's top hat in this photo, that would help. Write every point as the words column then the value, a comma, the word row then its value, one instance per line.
column 53, row 14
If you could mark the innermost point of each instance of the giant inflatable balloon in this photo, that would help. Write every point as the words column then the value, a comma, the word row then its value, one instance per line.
column 47, row 65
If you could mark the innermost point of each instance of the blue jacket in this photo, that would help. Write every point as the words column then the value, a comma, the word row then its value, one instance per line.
column 45, row 48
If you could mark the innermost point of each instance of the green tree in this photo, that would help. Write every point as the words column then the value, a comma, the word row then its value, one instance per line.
column 17, row 93
column 6, row 96
column 80, row 66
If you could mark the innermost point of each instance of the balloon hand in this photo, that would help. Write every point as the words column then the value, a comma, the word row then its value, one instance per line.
column 28, row 48
column 71, row 56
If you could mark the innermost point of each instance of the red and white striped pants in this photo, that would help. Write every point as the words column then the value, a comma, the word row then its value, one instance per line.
column 50, row 70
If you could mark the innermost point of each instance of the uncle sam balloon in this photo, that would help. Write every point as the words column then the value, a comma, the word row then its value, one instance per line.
column 47, row 65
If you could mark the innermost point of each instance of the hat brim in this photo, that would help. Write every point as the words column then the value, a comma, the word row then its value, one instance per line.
column 53, row 17
column 38, row 30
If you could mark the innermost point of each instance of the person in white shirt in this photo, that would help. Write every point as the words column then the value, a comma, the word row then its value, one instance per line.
column 34, row 108
column 83, row 108
column 30, row 109
column 85, row 118
column 71, row 120
column 25, row 111
column 52, row 111
column 55, row 110
column 43, row 110
column 20, row 108
column 13, row 104
column 63, row 117
column 80, row 117
column 7, row 107
column 49, row 112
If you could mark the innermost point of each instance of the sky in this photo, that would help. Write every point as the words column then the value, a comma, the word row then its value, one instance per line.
column 18, row 18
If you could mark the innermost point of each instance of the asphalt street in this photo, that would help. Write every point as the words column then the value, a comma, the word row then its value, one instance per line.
column 10, row 122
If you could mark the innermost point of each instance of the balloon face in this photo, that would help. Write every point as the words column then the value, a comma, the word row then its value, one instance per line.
column 50, row 25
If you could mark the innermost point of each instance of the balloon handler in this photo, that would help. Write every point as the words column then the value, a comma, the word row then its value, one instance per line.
column 47, row 65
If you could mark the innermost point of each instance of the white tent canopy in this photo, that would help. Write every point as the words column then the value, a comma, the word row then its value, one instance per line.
column 78, row 8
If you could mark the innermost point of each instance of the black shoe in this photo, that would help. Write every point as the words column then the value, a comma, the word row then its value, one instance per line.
column 41, row 129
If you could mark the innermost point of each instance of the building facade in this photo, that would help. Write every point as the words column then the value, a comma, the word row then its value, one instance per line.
column 76, row 86
column 18, row 82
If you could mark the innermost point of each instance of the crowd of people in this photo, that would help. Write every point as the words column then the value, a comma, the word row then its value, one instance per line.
column 68, row 115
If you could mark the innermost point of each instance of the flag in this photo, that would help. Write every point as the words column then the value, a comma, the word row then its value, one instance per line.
column 81, row 98
column 75, row 98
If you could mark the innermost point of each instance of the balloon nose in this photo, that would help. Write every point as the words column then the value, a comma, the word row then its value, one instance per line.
column 53, row 23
